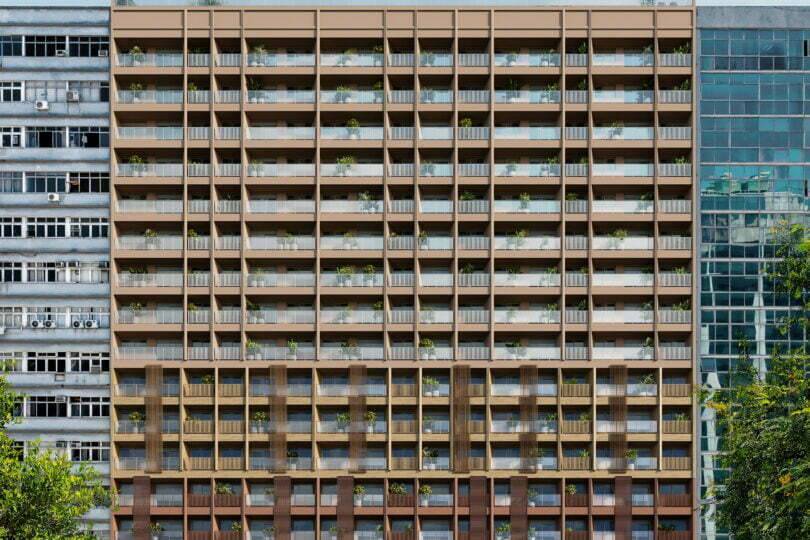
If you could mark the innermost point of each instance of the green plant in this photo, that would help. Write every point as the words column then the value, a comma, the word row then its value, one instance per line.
column 254, row 84
column 571, row 196
column 370, row 417
column 343, row 419
column 292, row 454
column 680, row 270
column 552, row 87
column 223, row 489
column 681, row 160
column 619, row 234
column 260, row 416
column 397, row 489
column 584, row 453
column 135, row 306
column 369, row 269
column 465, row 122
column 681, row 417
column 512, row 85
column 571, row 489
column 346, row 161
column 426, row 343
column 684, row 48
column 582, row 84
column 359, row 490
column 552, row 160
column 377, row 86
column 686, row 84
column 631, row 454
column 135, row 159
column 135, row 417
column 585, row 416
column 192, row 233
column 468, row 268
column 683, row 305
column 647, row 379
column 207, row 379
column 425, row 489
column 582, row 48
column 191, row 87
column 503, row 528
column 292, row 345
column 430, row 381
column 252, row 345
column 155, row 528
column 346, row 270
column 353, row 124
column 192, row 306
column 666, row 527
column 648, row 342
column 236, row 526
column 582, row 305
column 259, row 49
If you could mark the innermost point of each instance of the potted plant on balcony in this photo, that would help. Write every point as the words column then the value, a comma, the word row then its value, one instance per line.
column 137, row 165
column 503, row 531
column 346, row 58
column 368, row 204
column 431, row 385
column 512, row 91
column 631, row 455
column 252, row 350
column 260, row 422
column 537, row 453
column 371, row 419
column 292, row 350
column 137, row 55
column 617, row 237
column 518, row 238
column 258, row 278
column 377, row 90
column 427, row 349
column 531, row 496
column 512, row 168
column 423, row 239
column 512, row 58
column 548, row 425
column 136, row 89
column 236, row 527
column 525, row 201
column 255, row 87
column 347, row 349
column 429, row 316
column 353, row 128
column 292, row 459
column 397, row 489
column 155, row 529
column 428, row 58
column 465, row 122
column 368, row 275
column 427, row 168
column 425, row 491
column 515, row 349
column 344, row 164
column 254, row 167
column 584, row 455
column 258, row 58
column 343, row 94
column 137, row 276
column 647, row 385
column 269, row 532
column 136, row 419
column 345, row 272
column 511, row 314
column 571, row 489
column 358, row 493
column 136, row 308
column 254, row 313
column 207, row 379
column 427, row 422
column 342, row 421
column 349, row 240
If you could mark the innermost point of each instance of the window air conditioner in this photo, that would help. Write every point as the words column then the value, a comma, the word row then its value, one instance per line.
column 104, row 53
column 54, row 197
column 49, row 323
column 35, row 323
column 61, row 53
column 95, row 369
column 72, row 96
column 41, row 105
column 90, row 324
column 77, row 324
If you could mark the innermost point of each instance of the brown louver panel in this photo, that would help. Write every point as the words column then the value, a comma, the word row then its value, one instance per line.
column 345, row 508
column 153, row 405
column 479, row 506
column 528, row 380
column 141, row 491
column 282, row 490
column 623, row 511
column 528, row 437
column 618, row 416
column 357, row 413
column 518, row 507
column 278, row 413
column 461, row 419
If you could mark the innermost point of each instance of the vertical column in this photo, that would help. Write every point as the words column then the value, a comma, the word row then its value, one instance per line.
column 479, row 508
column 345, row 508
column 518, row 507
column 461, row 419
column 142, row 488
column 153, row 404
column 282, row 490
column 278, row 408
column 357, row 414
column 623, row 510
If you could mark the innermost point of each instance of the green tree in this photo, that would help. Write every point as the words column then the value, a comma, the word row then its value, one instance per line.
column 764, row 419
column 42, row 494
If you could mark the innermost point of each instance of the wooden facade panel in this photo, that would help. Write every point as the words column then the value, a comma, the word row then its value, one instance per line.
column 618, row 19
column 532, row 20
column 281, row 19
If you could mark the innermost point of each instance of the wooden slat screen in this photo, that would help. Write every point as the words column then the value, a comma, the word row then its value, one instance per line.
column 278, row 409
column 618, row 416
column 142, row 491
column 357, row 412
column 624, row 508
column 461, row 419
column 479, row 508
column 518, row 507
column 153, row 406
column 282, row 492
column 345, row 507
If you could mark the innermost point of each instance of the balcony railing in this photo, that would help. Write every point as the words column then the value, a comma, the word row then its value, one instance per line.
column 150, row 169
column 360, row 59
column 351, row 96
column 280, row 60
column 527, row 59
column 623, row 243
column 610, row 279
column 503, row 352
column 517, row 463
column 368, row 133
column 527, row 96
column 622, row 169
column 675, row 96
column 281, row 133
column 539, row 133
column 623, row 59
column 160, row 97
column 278, row 96
column 624, row 133
column 161, row 59
column 527, row 169
column 623, row 96
column 625, row 316
column 521, row 242
column 162, row 133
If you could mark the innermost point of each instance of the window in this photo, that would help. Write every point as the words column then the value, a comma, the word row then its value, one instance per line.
column 89, row 451
column 46, row 227
column 10, row 91
column 89, row 407
column 10, row 137
column 10, row 45
column 89, row 228
column 45, row 137
column 45, row 182
column 10, row 272
column 10, row 227
column 41, row 362
column 88, row 45
column 44, row 45
column 46, row 407
column 89, row 137
column 44, row 272
column 11, row 182
column 91, row 90
column 88, row 362
column 89, row 182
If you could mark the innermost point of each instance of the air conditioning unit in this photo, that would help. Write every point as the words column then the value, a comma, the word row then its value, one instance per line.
column 61, row 53
column 41, row 105
column 90, row 324
column 49, row 323
column 54, row 197
column 72, row 96
column 95, row 369
column 59, row 377
column 77, row 324
column 104, row 53
column 36, row 323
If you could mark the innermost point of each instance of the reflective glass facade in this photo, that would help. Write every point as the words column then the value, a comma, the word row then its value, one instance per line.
column 754, row 170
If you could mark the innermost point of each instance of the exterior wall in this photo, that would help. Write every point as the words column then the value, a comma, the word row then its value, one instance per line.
column 234, row 220
column 754, row 166
column 56, row 362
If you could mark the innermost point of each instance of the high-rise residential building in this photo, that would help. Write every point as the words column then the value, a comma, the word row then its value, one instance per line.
column 408, row 272
column 54, row 246
column 754, row 165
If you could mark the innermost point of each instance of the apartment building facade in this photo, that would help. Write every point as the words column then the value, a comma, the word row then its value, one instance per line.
column 402, row 272
column 753, row 174
column 54, row 246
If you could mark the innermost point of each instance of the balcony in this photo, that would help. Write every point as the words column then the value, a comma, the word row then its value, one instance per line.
column 150, row 316
column 274, row 96
column 264, row 59
column 439, row 463
column 352, row 59
column 337, row 279
column 624, row 316
column 630, row 243
column 675, row 60
column 160, row 59
column 261, row 206
column 623, row 353
column 520, row 352
column 622, row 169
column 158, row 133
column 681, row 97
column 532, row 170
column 163, row 170
column 610, row 279
column 436, row 96
column 330, row 426
column 348, row 242
column 363, row 133
column 630, row 390
column 529, row 279
column 526, row 316
column 539, row 133
column 228, row 60
column 623, row 59
column 153, row 97
column 525, row 242
column 534, row 97
column 623, row 133
column 345, row 97
column 517, row 390
column 640, row 463
column 511, row 59
column 346, row 390
column 351, row 316
column 345, row 463
column 351, row 353
column 629, row 426
column 285, row 133
column 628, row 97
column 517, row 463
column 285, row 243
column 352, row 169
column 435, row 59
column 280, row 316
column 436, row 499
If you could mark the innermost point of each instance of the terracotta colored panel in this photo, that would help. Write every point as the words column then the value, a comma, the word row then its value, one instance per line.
column 479, row 505
column 399, row 19
column 226, row 19
column 352, row 19
column 527, row 19
column 473, row 19
column 622, row 19
column 518, row 507
column 282, row 489
column 624, row 508
column 435, row 19
column 199, row 19
column 461, row 419
column 142, row 490
column 145, row 19
column 279, row 19
column 153, row 406
column 345, row 507
column 674, row 19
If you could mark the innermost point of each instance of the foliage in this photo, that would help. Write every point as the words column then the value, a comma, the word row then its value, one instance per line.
column 765, row 416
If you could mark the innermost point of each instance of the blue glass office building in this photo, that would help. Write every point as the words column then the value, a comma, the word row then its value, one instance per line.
column 754, row 169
